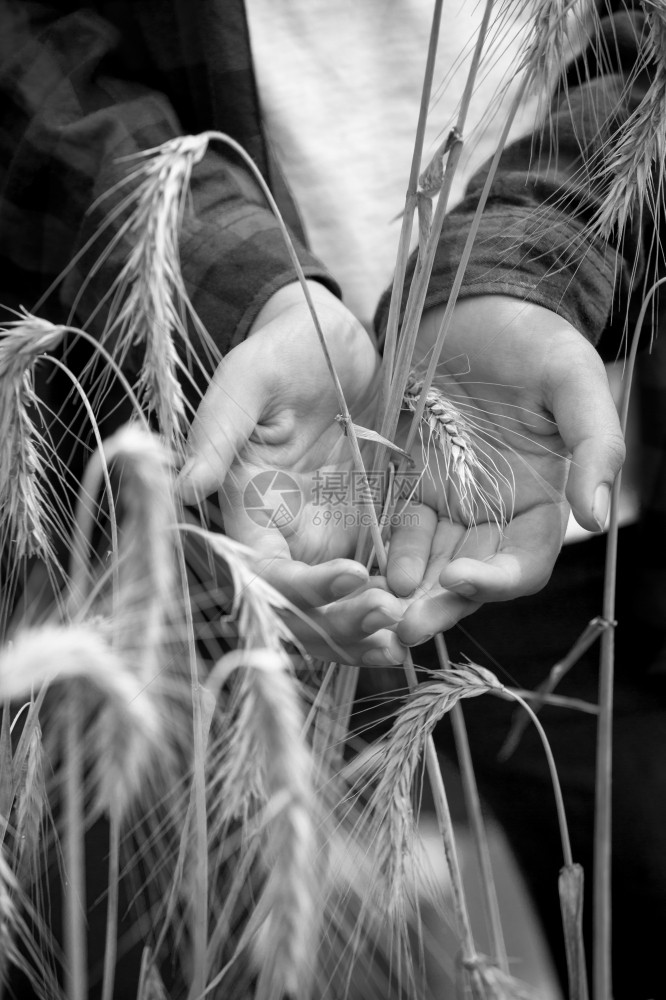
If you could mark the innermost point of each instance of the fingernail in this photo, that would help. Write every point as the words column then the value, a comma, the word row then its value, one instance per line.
column 379, row 618
column 463, row 587
column 379, row 658
column 600, row 505
column 345, row 584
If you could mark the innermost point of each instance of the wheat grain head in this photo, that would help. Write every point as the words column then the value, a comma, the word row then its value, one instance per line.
column 476, row 486
column 23, row 452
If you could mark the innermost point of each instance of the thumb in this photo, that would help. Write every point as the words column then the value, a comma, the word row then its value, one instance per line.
column 226, row 418
column 589, row 425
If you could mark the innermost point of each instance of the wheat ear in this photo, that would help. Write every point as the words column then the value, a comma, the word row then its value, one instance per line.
column 30, row 807
column 641, row 144
column 25, row 941
column 468, row 474
column 7, row 917
column 149, row 301
column 147, row 592
column 151, row 986
column 23, row 505
column 287, row 911
column 127, row 730
column 391, row 800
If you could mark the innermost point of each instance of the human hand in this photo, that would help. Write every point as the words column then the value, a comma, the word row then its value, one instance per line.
column 537, row 396
column 344, row 615
column 269, row 412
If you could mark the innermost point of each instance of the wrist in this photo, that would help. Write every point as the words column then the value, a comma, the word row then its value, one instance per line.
column 286, row 297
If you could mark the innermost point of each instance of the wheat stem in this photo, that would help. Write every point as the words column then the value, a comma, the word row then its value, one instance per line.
column 419, row 285
column 462, row 266
column 477, row 824
column 76, row 974
column 541, row 696
column 446, row 831
column 200, row 888
column 425, row 260
column 554, row 777
column 602, row 888
column 111, row 939
column 391, row 337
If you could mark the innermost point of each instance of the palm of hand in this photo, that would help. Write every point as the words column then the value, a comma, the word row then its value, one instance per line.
column 315, row 461
column 270, row 412
column 510, row 378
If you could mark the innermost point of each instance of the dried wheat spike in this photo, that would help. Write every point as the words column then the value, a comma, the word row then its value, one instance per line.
column 286, row 912
column 150, row 302
column 391, row 800
column 641, row 143
column 121, row 744
column 30, row 808
column 7, row 916
column 476, row 487
column 23, row 506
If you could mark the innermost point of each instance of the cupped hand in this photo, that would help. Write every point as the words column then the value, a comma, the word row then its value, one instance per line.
column 270, row 410
column 534, row 395
column 266, row 437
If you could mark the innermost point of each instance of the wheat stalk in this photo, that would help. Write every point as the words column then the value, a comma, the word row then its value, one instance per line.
column 602, row 957
column 143, row 597
column 547, row 49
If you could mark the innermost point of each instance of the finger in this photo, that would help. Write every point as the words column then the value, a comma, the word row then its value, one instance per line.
column 364, row 614
column 432, row 614
column 409, row 551
column 314, row 586
column 350, row 620
column 447, row 542
column 589, row 425
column 521, row 565
column 322, row 639
column 225, row 419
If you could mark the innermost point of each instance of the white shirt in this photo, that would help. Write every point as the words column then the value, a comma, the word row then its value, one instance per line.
column 340, row 86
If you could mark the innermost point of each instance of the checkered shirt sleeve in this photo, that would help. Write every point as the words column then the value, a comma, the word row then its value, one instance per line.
column 82, row 89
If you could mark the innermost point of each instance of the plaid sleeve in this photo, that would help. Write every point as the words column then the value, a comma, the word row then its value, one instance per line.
column 67, row 121
column 534, row 240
